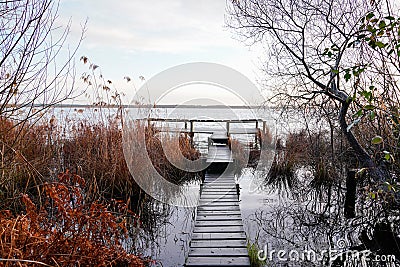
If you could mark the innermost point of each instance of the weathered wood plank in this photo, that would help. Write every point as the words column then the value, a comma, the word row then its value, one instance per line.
column 219, row 186
column 219, row 208
column 218, row 203
column 217, row 198
column 222, row 236
column 225, row 175
column 218, row 243
column 218, row 213
column 216, row 252
column 218, row 229
column 218, row 261
column 224, row 217
column 212, row 223
column 218, row 189
column 219, row 183
column 222, row 193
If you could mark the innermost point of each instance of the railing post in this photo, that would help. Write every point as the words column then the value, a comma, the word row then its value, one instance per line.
column 227, row 128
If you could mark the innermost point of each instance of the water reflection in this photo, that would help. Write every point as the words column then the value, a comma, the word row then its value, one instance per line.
column 168, row 242
column 308, row 225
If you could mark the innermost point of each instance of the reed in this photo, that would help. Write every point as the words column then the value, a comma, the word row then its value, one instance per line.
column 253, row 249
column 32, row 196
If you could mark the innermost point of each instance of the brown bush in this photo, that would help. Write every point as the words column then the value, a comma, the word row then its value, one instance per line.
column 64, row 231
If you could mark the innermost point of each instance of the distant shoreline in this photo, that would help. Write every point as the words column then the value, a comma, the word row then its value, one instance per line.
column 147, row 106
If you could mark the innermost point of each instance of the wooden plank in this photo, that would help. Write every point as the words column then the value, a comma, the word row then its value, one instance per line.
column 220, row 182
column 219, row 223
column 219, row 208
column 218, row 229
column 217, row 252
column 222, row 201
column 209, row 195
column 222, row 236
column 220, row 192
column 219, row 203
column 219, row 175
column 226, row 187
column 216, row 194
column 221, row 178
column 219, row 188
column 218, row 261
column 215, row 197
column 219, row 196
column 218, row 213
column 218, row 243
column 216, row 189
column 225, row 217
column 220, row 185
column 217, row 180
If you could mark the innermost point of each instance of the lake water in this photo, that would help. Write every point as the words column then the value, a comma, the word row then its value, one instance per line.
column 171, row 240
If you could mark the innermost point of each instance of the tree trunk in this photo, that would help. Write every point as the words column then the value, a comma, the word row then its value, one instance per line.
column 376, row 172
column 350, row 202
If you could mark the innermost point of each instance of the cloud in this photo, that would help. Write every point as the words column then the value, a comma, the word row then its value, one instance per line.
column 156, row 26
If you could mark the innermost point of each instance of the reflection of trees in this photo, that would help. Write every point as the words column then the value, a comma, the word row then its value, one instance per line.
column 156, row 237
column 311, row 210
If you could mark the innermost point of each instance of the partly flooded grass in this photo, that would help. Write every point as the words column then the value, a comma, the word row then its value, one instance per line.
column 32, row 196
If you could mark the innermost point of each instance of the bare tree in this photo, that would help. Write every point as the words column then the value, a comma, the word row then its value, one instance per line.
column 322, row 54
column 31, row 46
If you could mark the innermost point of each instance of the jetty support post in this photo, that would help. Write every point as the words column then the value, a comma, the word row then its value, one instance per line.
column 191, row 132
column 256, row 135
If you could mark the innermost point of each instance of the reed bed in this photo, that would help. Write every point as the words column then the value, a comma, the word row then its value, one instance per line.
column 58, row 182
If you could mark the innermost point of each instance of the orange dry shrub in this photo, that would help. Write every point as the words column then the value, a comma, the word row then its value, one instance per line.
column 65, row 231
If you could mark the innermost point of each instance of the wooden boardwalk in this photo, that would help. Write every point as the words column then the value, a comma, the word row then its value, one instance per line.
column 218, row 237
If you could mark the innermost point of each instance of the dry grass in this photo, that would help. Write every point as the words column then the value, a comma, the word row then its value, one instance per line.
column 68, row 219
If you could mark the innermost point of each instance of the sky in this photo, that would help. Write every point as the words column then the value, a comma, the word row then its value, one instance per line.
column 137, row 38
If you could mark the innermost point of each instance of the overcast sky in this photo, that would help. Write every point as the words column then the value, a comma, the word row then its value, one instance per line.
column 142, row 38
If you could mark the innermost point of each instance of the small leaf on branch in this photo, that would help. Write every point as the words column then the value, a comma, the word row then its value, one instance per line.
column 377, row 140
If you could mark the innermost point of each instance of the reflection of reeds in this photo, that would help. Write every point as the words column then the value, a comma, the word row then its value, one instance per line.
column 281, row 175
column 311, row 151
